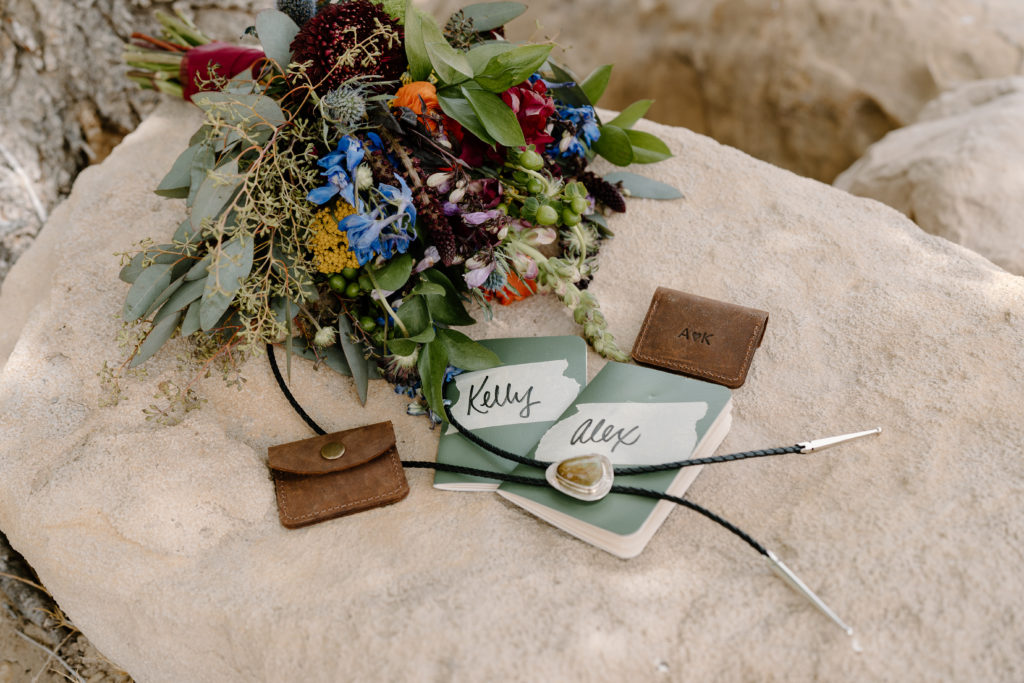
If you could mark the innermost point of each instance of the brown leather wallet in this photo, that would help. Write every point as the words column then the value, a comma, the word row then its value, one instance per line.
column 702, row 337
column 337, row 474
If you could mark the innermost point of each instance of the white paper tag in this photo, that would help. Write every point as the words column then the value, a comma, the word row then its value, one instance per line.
column 513, row 394
column 628, row 433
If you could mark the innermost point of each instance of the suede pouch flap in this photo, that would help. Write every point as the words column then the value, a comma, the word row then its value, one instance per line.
column 310, row 456
column 700, row 337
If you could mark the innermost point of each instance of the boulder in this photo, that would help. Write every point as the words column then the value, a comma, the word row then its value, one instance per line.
column 162, row 543
column 803, row 84
column 958, row 172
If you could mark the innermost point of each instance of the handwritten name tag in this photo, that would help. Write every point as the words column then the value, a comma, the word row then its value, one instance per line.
column 514, row 394
column 628, row 433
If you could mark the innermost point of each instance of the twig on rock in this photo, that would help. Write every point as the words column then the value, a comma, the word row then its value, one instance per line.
column 17, row 168
column 52, row 654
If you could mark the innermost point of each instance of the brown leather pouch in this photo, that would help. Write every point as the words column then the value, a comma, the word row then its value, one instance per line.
column 701, row 337
column 315, row 483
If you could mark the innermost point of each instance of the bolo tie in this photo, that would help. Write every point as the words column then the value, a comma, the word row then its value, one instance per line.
column 603, row 483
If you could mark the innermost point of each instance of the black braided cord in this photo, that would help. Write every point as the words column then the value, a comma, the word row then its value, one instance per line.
column 534, row 481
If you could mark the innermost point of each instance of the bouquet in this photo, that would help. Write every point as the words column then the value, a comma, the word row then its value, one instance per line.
column 366, row 178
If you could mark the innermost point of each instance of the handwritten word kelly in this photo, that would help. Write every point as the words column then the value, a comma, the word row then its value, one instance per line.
column 483, row 398
column 589, row 432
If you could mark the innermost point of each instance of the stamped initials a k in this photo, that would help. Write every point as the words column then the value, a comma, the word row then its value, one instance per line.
column 696, row 337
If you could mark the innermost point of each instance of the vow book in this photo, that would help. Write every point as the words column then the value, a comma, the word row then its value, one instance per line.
column 510, row 406
column 635, row 416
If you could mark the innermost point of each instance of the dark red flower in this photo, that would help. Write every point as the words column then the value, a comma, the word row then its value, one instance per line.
column 356, row 38
column 204, row 65
column 533, row 107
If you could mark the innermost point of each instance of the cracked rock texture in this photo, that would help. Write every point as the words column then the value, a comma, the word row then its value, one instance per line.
column 958, row 171
column 163, row 543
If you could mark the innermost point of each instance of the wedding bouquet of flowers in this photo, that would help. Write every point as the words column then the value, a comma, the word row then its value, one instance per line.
column 366, row 178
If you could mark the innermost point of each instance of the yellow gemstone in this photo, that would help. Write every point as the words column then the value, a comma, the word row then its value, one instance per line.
column 332, row 450
column 585, row 470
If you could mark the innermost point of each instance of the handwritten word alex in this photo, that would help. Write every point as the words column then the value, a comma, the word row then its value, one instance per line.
column 482, row 398
column 588, row 432
column 696, row 337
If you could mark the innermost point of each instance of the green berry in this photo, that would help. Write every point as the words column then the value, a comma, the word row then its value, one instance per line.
column 352, row 290
column 368, row 323
column 546, row 215
column 364, row 283
column 531, row 161
column 579, row 205
column 337, row 283
column 570, row 217
column 534, row 186
column 350, row 273
column 502, row 208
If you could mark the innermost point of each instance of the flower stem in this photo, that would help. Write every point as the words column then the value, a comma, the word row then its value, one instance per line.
column 387, row 307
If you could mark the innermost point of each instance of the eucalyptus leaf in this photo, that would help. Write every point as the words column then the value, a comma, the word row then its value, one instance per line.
column 185, row 294
column 631, row 114
column 255, row 114
column 393, row 275
column 200, row 269
column 465, row 353
column 190, row 324
column 157, row 337
column 512, row 67
column 427, row 289
column 432, row 364
column 165, row 253
column 147, row 287
column 185, row 232
column 415, row 47
column 413, row 314
column 203, row 160
column 614, row 145
column 282, row 308
column 170, row 289
column 447, row 310
column 497, row 117
column 276, row 30
column 456, row 106
column 177, row 181
column 640, row 186
column 594, row 85
column 355, row 357
column 647, row 148
column 331, row 356
column 216, row 191
column 480, row 55
column 487, row 16
column 227, row 272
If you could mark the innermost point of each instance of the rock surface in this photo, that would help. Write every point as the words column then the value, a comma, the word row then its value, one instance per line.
column 958, row 172
column 163, row 543
column 803, row 84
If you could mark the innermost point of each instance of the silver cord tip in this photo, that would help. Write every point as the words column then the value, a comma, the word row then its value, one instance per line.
column 828, row 442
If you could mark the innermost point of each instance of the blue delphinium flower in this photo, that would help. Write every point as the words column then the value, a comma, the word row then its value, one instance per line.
column 340, row 168
column 584, row 121
column 387, row 229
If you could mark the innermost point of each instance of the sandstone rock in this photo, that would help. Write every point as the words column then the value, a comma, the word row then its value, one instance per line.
column 804, row 84
column 959, row 171
column 163, row 543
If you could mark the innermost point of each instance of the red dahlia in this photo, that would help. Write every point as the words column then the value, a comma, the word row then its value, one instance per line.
column 353, row 39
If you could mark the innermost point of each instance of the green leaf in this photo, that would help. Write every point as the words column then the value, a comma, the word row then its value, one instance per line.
column 276, row 31
column 393, row 275
column 167, row 253
column 258, row 115
column 413, row 314
column 427, row 289
column 216, row 191
column 331, row 356
column 456, row 106
column 647, row 148
column 401, row 346
column 227, row 272
column 497, row 117
column 147, row 287
column 488, row 16
column 450, row 65
column 639, row 186
column 202, row 162
column 571, row 94
column 447, row 310
column 184, row 295
column 465, row 353
column 593, row 86
column 614, row 145
column 177, row 181
column 200, row 269
column 512, row 67
column 479, row 55
column 190, row 325
column 415, row 47
column 631, row 114
column 432, row 364
column 355, row 357
column 157, row 337
column 176, row 282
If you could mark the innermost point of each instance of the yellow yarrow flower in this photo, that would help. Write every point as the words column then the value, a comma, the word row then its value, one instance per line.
column 331, row 253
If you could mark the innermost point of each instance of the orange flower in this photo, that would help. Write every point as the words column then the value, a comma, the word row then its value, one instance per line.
column 416, row 96
column 516, row 289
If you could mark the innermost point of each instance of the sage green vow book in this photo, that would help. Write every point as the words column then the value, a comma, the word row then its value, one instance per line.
column 635, row 416
column 510, row 406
